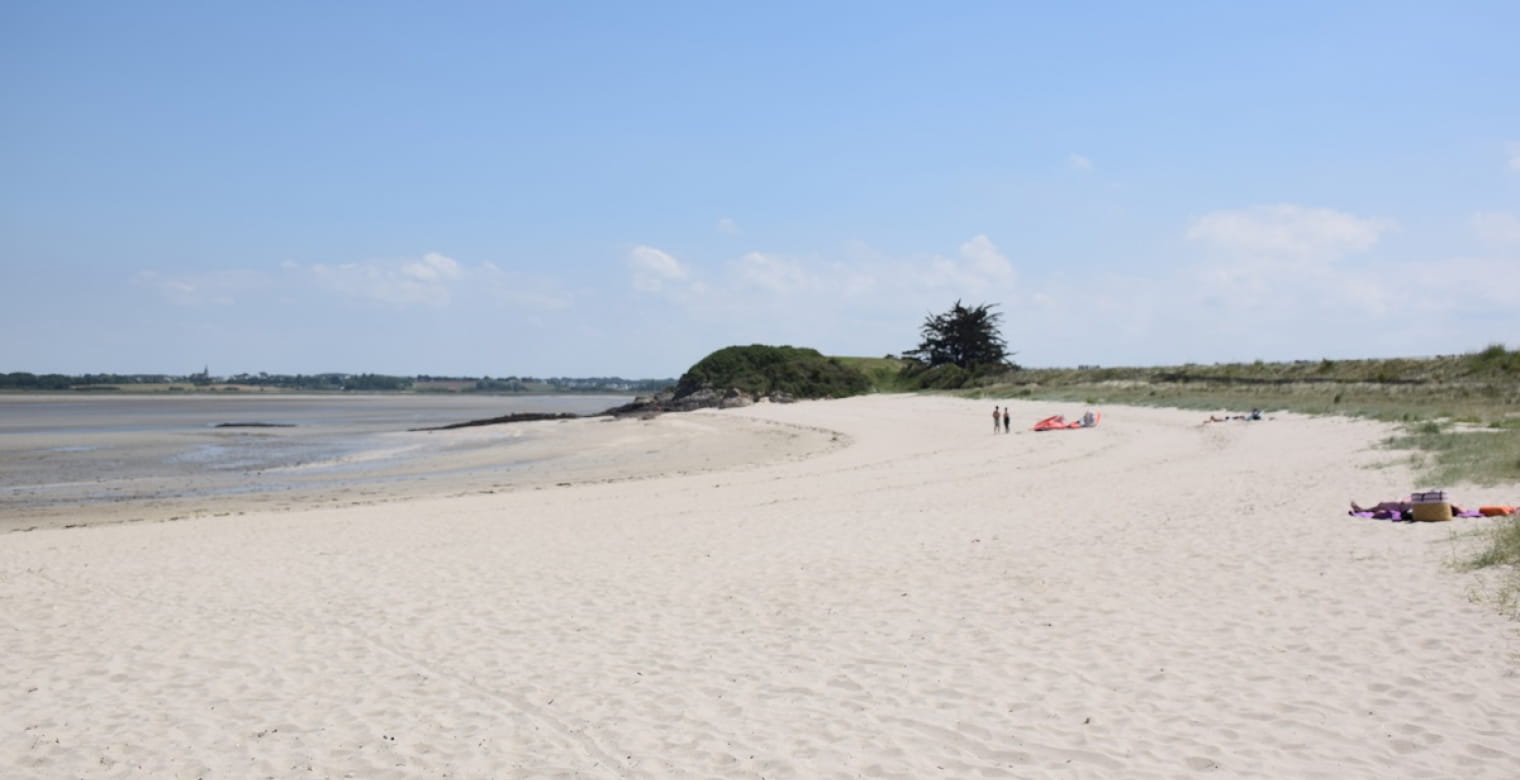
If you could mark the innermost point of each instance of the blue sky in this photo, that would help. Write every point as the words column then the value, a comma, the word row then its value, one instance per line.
column 620, row 188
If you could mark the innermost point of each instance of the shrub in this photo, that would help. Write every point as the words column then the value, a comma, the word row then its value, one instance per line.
column 762, row 370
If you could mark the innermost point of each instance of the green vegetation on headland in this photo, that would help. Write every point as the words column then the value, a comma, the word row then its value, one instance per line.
column 761, row 371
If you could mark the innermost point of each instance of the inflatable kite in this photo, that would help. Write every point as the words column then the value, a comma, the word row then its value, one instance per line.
column 1058, row 422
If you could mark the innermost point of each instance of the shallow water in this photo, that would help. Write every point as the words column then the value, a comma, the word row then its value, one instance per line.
column 70, row 414
column 60, row 450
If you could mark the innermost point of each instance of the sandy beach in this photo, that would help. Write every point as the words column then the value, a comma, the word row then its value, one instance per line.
column 875, row 587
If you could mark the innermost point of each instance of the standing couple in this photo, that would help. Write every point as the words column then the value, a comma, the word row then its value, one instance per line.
column 998, row 417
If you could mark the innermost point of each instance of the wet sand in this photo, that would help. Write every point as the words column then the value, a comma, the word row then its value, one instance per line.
column 169, row 462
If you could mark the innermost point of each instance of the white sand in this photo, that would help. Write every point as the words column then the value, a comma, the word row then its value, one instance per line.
column 1150, row 598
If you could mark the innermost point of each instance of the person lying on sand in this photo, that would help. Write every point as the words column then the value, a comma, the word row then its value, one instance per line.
column 1387, row 509
column 1254, row 415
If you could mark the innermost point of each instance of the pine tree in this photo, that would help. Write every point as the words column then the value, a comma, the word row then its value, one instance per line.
column 967, row 337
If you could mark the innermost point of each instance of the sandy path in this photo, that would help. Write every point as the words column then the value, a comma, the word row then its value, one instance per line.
column 1150, row 598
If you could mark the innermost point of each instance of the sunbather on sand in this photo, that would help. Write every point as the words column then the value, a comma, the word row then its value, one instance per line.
column 1385, row 509
column 1254, row 415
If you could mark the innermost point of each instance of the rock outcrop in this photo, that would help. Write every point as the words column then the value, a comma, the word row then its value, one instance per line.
column 702, row 398
column 515, row 417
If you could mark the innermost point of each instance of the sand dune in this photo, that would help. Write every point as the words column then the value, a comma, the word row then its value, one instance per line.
column 875, row 587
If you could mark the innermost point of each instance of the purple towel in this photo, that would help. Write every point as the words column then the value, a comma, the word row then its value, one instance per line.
column 1380, row 515
column 1386, row 515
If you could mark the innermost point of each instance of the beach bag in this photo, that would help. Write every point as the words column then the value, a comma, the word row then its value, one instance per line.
column 1430, row 506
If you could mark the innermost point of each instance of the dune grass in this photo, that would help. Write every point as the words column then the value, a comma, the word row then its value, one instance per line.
column 1446, row 452
column 1499, row 548
column 1460, row 414
column 1504, row 547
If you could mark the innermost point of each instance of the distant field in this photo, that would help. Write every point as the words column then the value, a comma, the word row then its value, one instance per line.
column 883, row 372
column 444, row 385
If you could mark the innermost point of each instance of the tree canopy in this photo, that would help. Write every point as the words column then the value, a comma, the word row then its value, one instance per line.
column 964, row 336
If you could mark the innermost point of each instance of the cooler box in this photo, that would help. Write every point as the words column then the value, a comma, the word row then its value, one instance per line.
column 1430, row 506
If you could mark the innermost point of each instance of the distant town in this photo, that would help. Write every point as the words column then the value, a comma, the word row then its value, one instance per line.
column 205, row 381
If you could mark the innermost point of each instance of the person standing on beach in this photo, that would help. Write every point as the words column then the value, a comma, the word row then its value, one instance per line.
column 1005, row 419
column 995, row 419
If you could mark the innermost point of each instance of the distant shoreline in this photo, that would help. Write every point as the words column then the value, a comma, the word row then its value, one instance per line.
column 220, row 391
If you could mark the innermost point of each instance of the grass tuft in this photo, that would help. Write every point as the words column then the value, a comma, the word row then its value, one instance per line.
column 1502, row 550
column 1504, row 547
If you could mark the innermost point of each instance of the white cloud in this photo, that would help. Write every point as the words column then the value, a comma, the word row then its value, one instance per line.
column 433, row 266
column 980, row 269
column 1288, row 231
column 762, row 296
column 1079, row 162
column 433, row 280
column 779, row 275
column 1273, row 282
column 208, row 288
column 1514, row 157
column 424, row 282
column 653, row 269
column 1265, row 262
column 985, row 258
column 727, row 225
column 1496, row 227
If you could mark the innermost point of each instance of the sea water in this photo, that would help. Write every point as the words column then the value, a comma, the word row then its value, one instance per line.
column 60, row 448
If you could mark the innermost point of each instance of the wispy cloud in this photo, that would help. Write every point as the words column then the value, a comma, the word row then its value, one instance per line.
column 433, row 280
column 203, row 288
column 432, row 267
column 654, row 270
column 978, row 268
column 1274, row 282
column 1514, row 156
column 779, row 275
column 1079, row 162
column 428, row 281
column 768, row 284
column 1287, row 230
column 1270, row 260
column 831, row 302
column 986, row 259
column 728, row 225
